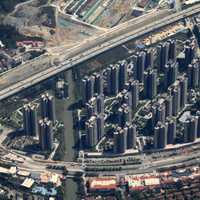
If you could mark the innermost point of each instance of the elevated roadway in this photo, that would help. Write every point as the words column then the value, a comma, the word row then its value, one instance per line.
column 42, row 68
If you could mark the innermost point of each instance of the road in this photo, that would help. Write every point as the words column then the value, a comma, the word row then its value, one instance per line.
column 35, row 72
column 31, row 164
column 150, row 166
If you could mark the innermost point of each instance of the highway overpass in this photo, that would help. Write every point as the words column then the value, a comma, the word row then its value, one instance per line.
column 32, row 73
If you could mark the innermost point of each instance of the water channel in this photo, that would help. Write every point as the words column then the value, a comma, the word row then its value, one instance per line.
column 65, row 114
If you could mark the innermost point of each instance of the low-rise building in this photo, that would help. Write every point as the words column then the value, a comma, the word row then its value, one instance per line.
column 102, row 184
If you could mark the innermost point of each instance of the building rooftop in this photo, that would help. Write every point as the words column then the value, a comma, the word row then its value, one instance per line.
column 103, row 183
column 28, row 182
column 23, row 173
column 4, row 170
column 185, row 116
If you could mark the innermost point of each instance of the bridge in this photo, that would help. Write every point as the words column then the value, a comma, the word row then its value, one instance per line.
column 42, row 68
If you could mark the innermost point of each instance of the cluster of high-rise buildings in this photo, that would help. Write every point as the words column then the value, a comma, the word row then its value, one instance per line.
column 179, row 78
column 93, row 99
column 42, row 128
column 125, row 138
column 157, row 76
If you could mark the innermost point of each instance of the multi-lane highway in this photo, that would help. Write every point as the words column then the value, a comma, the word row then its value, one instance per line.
column 41, row 69
column 148, row 163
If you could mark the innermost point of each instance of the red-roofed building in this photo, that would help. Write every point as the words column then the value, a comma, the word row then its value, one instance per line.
column 102, row 184
column 30, row 44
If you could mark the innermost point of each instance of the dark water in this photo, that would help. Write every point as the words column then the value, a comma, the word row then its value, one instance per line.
column 64, row 114
column 70, row 190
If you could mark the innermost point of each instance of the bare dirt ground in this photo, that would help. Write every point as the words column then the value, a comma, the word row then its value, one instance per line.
column 39, row 18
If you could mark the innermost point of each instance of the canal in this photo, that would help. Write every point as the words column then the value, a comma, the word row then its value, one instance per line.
column 68, row 153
